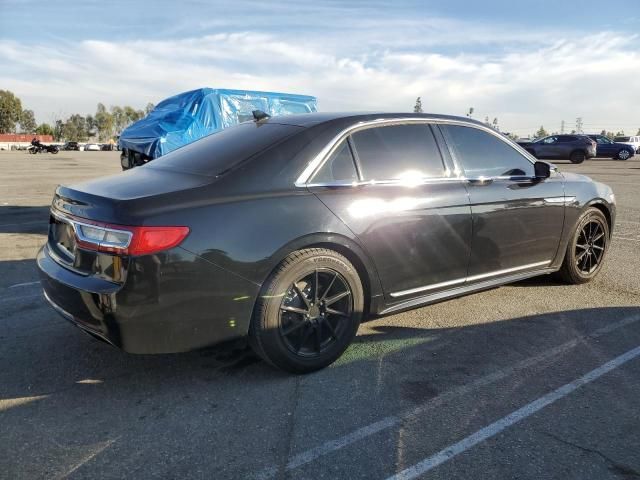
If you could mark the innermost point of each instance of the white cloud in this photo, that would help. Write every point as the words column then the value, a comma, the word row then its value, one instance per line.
column 545, row 81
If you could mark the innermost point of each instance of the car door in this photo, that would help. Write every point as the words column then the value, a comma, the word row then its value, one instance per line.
column 605, row 147
column 517, row 219
column 391, row 186
column 547, row 148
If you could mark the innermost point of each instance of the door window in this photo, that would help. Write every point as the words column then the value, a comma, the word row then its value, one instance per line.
column 398, row 152
column 338, row 168
column 482, row 154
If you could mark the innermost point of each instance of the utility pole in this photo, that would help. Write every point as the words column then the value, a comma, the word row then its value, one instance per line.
column 579, row 125
column 562, row 126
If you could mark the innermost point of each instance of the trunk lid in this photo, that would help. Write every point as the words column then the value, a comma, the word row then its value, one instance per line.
column 125, row 197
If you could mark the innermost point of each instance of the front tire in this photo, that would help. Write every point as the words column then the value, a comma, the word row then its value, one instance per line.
column 623, row 155
column 308, row 312
column 577, row 157
column 586, row 249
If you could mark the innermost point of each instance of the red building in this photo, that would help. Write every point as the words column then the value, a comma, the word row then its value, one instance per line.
column 23, row 137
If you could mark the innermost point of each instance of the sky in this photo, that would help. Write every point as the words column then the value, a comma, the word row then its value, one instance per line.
column 527, row 63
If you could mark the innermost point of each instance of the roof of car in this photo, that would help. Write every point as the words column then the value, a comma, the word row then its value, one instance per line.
column 311, row 119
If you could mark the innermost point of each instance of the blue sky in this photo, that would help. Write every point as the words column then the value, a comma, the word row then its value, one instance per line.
column 527, row 63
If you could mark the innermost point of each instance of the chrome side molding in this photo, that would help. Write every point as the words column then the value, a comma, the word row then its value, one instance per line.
column 471, row 278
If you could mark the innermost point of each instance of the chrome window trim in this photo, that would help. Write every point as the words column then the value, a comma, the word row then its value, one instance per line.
column 401, row 183
column 318, row 161
column 471, row 278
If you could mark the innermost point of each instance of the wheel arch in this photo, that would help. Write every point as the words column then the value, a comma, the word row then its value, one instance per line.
column 345, row 246
column 601, row 205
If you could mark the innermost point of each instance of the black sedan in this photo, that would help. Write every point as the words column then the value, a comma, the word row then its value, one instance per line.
column 607, row 148
column 290, row 230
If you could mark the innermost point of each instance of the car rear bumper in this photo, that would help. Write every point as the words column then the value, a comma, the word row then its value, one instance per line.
column 173, row 303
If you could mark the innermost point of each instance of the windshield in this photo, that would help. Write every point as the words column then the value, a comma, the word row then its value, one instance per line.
column 218, row 152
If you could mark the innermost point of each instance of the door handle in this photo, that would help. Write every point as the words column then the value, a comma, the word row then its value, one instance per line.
column 479, row 181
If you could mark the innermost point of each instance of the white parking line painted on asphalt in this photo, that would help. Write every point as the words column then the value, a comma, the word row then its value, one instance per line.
column 23, row 284
column 331, row 446
column 496, row 427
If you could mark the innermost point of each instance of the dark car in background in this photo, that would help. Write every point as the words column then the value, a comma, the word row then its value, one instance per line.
column 290, row 230
column 608, row 148
column 576, row 148
column 71, row 146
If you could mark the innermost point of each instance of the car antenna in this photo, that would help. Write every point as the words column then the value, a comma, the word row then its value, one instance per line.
column 260, row 115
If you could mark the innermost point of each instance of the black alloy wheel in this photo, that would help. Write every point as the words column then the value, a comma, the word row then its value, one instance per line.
column 587, row 248
column 308, row 311
column 312, row 311
column 590, row 246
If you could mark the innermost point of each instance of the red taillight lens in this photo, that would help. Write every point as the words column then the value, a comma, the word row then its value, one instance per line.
column 125, row 240
column 147, row 240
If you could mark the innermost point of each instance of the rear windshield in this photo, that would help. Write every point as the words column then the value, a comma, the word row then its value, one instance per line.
column 621, row 139
column 220, row 151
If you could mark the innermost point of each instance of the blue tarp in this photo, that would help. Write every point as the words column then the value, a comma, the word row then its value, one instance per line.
column 188, row 116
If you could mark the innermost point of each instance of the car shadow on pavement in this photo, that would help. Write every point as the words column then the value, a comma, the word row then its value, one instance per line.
column 24, row 219
column 83, row 392
column 58, row 369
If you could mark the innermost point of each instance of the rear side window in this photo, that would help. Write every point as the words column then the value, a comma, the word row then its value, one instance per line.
column 338, row 168
column 398, row 152
column 621, row 139
column 220, row 151
column 482, row 154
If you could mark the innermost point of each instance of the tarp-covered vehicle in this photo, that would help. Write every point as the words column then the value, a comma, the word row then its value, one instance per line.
column 189, row 116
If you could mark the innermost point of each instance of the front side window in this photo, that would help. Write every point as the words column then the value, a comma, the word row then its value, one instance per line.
column 482, row 154
column 550, row 140
column 339, row 167
column 398, row 152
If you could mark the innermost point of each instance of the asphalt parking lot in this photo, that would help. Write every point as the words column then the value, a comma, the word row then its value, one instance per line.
column 532, row 380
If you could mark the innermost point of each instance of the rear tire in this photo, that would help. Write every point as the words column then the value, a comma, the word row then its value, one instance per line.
column 577, row 157
column 586, row 249
column 308, row 312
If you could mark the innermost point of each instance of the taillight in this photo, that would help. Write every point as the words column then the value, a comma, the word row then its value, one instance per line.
column 126, row 240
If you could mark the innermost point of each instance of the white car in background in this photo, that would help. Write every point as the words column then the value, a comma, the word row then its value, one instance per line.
column 634, row 141
column 93, row 147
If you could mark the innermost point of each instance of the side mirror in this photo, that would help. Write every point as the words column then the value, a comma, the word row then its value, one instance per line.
column 542, row 170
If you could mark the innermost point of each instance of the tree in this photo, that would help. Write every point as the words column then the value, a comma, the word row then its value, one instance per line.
column 470, row 112
column 512, row 136
column 150, row 106
column 132, row 115
column 104, row 123
column 58, row 130
column 44, row 129
column 540, row 133
column 119, row 119
column 638, row 133
column 27, row 122
column 10, row 111
column 486, row 120
column 75, row 128
column 495, row 124
column 417, row 108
